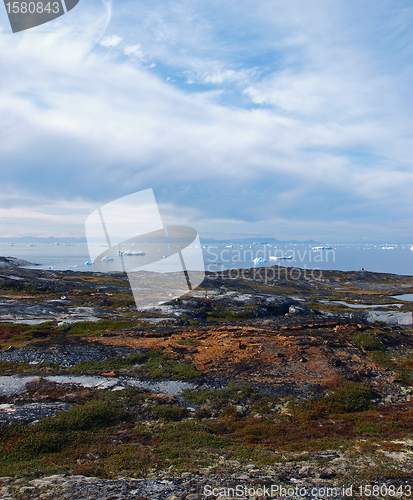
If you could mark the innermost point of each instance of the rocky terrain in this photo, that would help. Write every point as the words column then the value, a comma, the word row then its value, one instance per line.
column 254, row 381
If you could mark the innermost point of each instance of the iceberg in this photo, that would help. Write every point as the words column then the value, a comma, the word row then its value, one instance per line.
column 106, row 258
column 88, row 263
column 259, row 260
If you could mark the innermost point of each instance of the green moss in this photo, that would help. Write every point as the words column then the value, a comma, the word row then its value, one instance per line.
column 153, row 363
column 349, row 397
column 23, row 337
column 131, row 396
column 218, row 313
column 186, row 442
column 108, row 364
column 90, row 415
column 401, row 365
column 190, row 342
column 233, row 393
column 7, row 367
column 161, row 367
column 170, row 412
column 95, row 328
column 352, row 396
column 367, row 341
column 367, row 429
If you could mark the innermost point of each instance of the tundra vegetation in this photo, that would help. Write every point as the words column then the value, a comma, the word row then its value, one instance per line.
column 235, row 415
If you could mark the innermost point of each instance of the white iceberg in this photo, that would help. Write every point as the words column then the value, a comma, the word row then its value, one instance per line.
column 259, row 260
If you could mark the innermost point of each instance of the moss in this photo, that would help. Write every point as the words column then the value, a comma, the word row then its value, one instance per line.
column 170, row 412
column 108, row 364
column 349, row 397
column 233, row 393
column 367, row 341
column 161, row 367
column 153, row 363
column 190, row 342
column 401, row 365
column 218, row 313
column 352, row 396
column 90, row 415
column 181, row 442
column 7, row 367
column 175, row 369
column 93, row 329
column 367, row 429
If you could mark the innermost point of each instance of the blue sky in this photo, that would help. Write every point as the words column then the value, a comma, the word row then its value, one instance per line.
column 273, row 118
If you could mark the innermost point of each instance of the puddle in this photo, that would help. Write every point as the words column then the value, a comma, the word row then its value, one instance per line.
column 405, row 296
column 13, row 384
column 39, row 321
column 359, row 306
column 77, row 319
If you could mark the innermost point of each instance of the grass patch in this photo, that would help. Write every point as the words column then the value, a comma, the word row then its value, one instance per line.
column 153, row 364
column 170, row 412
column 219, row 313
column 20, row 332
column 10, row 367
column 188, row 444
column 233, row 393
column 349, row 397
column 401, row 365
column 90, row 415
column 160, row 366
column 108, row 364
column 367, row 341
column 96, row 328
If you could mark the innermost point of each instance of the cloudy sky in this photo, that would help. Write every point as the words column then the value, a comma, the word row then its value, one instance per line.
column 290, row 119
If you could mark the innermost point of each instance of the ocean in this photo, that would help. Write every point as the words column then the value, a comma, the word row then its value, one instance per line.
column 383, row 258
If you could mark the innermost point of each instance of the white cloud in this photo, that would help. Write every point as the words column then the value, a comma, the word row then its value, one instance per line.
column 216, row 73
column 111, row 41
column 134, row 51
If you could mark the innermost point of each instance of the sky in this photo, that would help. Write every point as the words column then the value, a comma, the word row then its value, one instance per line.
column 287, row 119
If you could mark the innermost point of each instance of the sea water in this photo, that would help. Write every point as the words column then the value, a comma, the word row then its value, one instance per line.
column 382, row 258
